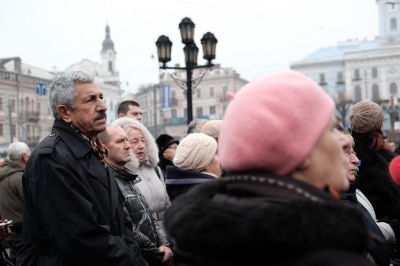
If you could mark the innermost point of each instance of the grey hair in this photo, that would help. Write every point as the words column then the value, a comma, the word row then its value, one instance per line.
column 195, row 125
column 16, row 149
column 62, row 90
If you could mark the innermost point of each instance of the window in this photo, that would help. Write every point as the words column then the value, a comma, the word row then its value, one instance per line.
column 393, row 24
column 1, row 130
column 173, row 113
column 110, row 68
column 1, row 104
column 357, row 94
column 185, row 112
column 224, row 90
column 375, row 92
column 357, row 74
column 374, row 72
column 211, row 91
column 340, row 77
column 198, row 92
column 322, row 79
column 12, row 105
column 173, row 96
column 212, row 110
column 393, row 89
column 14, row 130
column 199, row 111
column 38, row 107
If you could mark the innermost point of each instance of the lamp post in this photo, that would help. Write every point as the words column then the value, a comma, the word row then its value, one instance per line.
column 209, row 43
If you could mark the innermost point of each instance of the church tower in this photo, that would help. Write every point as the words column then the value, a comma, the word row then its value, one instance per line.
column 108, row 57
column 389, row 20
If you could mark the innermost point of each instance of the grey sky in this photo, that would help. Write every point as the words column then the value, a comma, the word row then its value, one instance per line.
column 255, row 37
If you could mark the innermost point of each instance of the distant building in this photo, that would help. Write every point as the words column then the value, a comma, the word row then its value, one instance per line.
column 24, row 112
column 168, row 114
column 362, row 69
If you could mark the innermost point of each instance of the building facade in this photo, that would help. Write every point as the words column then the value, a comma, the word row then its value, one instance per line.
column 24, row 111
column 355, row 70
column 168, row 113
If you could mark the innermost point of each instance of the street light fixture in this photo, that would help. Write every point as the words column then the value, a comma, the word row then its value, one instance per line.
column 209, row 43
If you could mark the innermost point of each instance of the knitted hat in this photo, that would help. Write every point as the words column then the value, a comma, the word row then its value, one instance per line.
column 195, row 152
column 163, row 142
column 272, row 124
column 366, row 116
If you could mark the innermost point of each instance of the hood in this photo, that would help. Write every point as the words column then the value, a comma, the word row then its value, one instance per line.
column 8, row 168
column 151, row 146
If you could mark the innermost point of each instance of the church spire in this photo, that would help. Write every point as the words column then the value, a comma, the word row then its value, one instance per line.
column 107, row 43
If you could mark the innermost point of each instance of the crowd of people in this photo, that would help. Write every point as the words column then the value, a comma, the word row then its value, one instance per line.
column 264, row 186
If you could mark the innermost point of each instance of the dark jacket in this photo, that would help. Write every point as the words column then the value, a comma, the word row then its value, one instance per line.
column 379, row 248
column 163, row 163
column 11, row 194
column 73, row 209
column 260, row 219
column 179, row 180
column 375, row 180
column 148, row 234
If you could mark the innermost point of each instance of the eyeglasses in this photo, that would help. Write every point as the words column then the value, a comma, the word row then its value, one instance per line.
column 349, row 152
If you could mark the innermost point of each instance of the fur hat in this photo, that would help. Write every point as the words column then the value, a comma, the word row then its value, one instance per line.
column 195, row 152
column 272, row 124
column 163, row 142
column 366, row 116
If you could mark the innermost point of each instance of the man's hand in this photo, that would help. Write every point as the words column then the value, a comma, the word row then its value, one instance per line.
column 5, row 230
column 168, row 256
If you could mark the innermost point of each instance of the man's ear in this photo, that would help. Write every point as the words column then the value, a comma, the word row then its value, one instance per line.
column 120, row 115
column 304, row 164
column 65, row 113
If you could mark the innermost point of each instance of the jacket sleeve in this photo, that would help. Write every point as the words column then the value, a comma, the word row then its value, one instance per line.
column 66, row 207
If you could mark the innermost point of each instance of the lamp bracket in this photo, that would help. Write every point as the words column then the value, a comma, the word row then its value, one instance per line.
column 195, row 82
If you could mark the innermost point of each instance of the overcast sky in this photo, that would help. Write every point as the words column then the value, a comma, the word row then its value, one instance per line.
column 256, row 37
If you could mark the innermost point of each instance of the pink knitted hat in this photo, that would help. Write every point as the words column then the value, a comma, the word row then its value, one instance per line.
column 273, row 123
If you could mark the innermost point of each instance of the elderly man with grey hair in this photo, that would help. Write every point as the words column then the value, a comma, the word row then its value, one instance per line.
column 73, row 208
column 12, row 199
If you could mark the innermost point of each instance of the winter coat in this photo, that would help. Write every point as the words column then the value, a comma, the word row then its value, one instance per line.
column 379, row 248
column 260, row 219
column 11, row 194
column 179, row 180
column 374, row 178
column 73, row 209
column 152, row 186
column 148, row 234
column 163, row 163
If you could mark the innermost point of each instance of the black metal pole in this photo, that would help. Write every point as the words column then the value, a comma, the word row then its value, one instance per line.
column 189, row 94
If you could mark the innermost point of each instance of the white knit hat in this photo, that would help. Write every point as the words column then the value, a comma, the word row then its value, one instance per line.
column 195, row 152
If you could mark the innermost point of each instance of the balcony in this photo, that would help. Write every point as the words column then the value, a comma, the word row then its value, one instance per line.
column 32, row 116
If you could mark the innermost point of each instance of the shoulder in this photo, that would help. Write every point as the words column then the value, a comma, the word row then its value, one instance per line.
column 47, row 145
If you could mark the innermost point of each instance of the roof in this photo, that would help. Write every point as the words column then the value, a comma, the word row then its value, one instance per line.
column 337, row 51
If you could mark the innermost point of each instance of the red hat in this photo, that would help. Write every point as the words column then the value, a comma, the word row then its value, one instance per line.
column 273, row 123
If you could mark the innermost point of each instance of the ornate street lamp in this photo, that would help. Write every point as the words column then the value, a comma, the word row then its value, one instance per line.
column 208, row 42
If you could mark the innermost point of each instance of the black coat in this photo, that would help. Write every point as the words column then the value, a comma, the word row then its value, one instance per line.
column 379, row 248
column 374, row 178
column 260, row 219
column 147, row 233
column 179, row 180
column 73, row 209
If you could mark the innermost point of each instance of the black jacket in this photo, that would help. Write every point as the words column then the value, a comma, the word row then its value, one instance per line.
column 260, row 219
column 379, row 248
column 179, row 180
column 148, row 234
column 374, row 178
column 73, row 209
